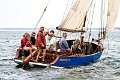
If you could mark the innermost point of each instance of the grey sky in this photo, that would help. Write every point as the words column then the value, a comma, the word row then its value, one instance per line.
column 25, row 13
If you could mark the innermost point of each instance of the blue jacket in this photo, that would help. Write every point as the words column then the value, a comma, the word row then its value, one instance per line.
column 63, row 44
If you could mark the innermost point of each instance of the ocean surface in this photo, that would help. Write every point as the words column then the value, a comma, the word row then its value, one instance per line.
column 107, row 68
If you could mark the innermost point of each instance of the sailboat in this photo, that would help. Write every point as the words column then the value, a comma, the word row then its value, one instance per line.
column 79, row 19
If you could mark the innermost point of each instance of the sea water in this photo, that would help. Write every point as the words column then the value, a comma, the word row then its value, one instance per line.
column 107, row 68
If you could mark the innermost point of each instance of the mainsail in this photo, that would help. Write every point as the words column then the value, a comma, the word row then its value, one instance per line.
column 75, row 19
column 113, row 9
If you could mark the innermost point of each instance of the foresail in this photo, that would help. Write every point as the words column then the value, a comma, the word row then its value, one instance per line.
column 113, row 9
column 75, row 19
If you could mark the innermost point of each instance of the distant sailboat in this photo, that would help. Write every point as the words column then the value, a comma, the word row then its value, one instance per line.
column 77, row 21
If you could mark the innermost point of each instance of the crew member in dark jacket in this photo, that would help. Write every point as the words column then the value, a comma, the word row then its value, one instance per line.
column 32, row 39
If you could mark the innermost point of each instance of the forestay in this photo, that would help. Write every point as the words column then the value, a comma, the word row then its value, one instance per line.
column 75, row 19
column 113, row 9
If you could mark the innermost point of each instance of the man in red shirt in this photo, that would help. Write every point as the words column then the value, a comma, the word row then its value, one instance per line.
column 25, row 41
column 25, row 45
column 41, row 43
column 40, row 40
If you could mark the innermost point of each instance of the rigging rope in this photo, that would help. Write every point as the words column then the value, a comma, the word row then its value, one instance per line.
column 88, row 21
column 101, row 32
column 101, row 19
column 65, row 11
column 88, row 18
column 91, row 20
column 41, row 15
column 64, row 15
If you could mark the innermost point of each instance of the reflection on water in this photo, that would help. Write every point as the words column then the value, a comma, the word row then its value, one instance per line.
column 107, row 68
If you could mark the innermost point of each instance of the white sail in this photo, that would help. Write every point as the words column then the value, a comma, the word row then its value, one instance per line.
column 75, row 19
column 113, row 9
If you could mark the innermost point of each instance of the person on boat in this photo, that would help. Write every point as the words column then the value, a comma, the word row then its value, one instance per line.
column 52, row 41
column 25, row 41
column 32, row 38
column 42, row 47
column 63, row 43
column 76, row 48
column 25, row 45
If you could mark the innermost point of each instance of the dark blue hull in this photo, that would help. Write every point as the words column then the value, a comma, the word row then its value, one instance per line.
column 65, row 61
column 68, row 61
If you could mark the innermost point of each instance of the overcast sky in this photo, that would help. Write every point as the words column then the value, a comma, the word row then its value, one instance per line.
column 25, row 13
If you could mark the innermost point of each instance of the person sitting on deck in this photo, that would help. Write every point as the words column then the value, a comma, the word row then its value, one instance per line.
column 63, row 43
column 76, row 47
column 52, row 41
column 32, row 38
column 25, row 45
column 73, row 47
